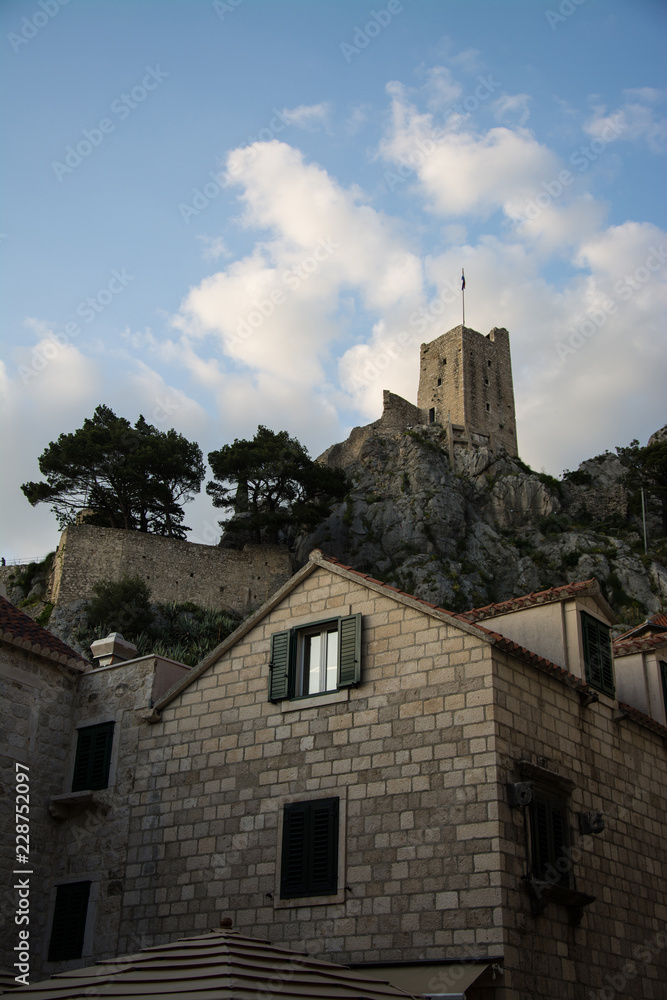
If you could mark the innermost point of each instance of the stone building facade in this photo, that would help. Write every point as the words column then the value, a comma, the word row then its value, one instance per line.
column 52, row 698
column 213, row 577
column 492, row 817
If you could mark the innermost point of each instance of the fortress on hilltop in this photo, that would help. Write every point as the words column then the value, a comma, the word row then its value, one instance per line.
column 465, row 387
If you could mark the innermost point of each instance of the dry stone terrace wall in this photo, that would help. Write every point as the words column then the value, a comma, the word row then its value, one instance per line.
column 618, row 768
column 225, row 579
column 421, row 806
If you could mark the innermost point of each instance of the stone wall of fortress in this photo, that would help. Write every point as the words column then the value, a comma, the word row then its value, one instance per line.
column 213, row 577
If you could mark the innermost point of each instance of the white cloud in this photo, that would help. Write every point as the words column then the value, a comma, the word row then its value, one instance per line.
column 634, row 120
column 512, row 108
column 308, row 116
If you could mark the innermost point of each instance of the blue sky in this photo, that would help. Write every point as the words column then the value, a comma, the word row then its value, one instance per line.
column 220, row 214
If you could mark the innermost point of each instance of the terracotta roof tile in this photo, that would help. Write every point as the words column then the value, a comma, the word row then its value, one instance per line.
column 17, row 628
column 657, row 623
column 642, row 719
column 633, row 644
column 528, row 600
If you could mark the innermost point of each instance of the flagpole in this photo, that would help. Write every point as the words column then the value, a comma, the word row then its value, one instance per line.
column 463, row 295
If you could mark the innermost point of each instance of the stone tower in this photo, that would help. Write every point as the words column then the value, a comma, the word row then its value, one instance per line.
column 465, row 385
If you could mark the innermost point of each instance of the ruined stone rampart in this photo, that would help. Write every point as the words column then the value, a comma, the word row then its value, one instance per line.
column 213, row 577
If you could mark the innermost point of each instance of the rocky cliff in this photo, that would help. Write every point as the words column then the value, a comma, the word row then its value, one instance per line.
column 485, row 529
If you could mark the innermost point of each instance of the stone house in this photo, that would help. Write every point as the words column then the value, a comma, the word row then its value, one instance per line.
column 456, row 803
column 67, row 762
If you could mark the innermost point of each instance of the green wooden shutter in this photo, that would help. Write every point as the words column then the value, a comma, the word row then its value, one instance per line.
column 69, row 921
column 309, row 865
column 349, row 670
column 539, row 830
column 279, row 665
column 663, row 674
column 558, row 826
column 93, row 757
column 294, row 867
column 597, row 654
column 324, row 846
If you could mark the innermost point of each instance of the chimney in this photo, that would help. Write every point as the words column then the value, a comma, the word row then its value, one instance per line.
column 113, row 649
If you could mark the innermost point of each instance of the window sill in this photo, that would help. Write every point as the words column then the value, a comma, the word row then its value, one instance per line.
column 62, row 806
column 543, row 892
column 328, row 698
column 329, row 900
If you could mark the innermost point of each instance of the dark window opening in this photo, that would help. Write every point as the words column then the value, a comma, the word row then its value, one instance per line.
column 598, row 660
column 69, row 921
column 439, row 381
column 549, row 839
column 310, row 849
column 488, row 407
column 486, row 381
column 93, row 757
column 488, row 363
column 663, row 675
column 431, row 415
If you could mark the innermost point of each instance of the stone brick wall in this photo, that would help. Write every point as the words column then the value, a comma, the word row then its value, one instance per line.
column 422, row 810
column 617, row 768
column 225, row 579
column 38, row 702
column 461, row 374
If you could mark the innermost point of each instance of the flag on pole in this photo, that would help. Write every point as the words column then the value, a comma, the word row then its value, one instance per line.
column 463, row 280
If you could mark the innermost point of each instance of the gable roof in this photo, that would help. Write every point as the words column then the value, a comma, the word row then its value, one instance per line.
column 317, row 560
column 656, row 624
column 217, row 965
column 588, row 588
column 19, row 630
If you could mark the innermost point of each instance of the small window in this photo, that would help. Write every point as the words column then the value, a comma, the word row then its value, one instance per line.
column 315, row 659
column 69, row 921
column 549, row 839
column 488, row 407
column 93, row 757
column 310, row 849
column 439, row 381
column 431, row 415
column 663, row 675
column 598, row 660
column 486, row 381
column 488, row 363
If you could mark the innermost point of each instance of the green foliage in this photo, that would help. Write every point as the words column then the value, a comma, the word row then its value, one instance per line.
column 578, row 477
column 185, row 632
column 272, row 487
column 121, row 606
column 128, row 477
column 646, row 468
column 44, row 615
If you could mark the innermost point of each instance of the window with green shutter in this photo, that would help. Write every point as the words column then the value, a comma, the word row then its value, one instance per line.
column 315, row 659
column 597, row 654
column 310, row 849
column 69, row 921
column 93, row 757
